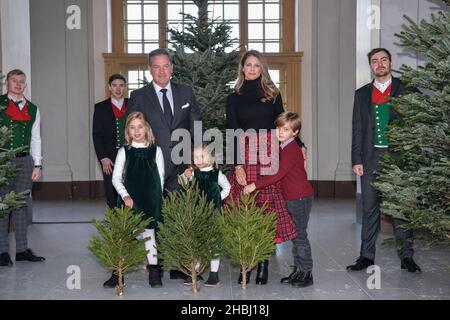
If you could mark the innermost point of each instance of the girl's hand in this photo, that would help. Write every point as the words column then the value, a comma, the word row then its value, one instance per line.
column 241, row 177
column 128, row 202
column 188, row 173
column 249, row 189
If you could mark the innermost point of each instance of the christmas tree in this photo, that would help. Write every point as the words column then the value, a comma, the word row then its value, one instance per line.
column 203, row 61
column 12, row 200
column 415, row 186
column 248, row 232
column 189, row 235
column 117, row 246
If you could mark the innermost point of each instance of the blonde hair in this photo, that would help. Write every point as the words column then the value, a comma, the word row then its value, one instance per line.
column 289, row 117
column 269, row 89
column 149, row 137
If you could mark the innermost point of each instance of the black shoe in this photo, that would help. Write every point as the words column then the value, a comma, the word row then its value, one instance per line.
column 360, row 264
column 5, row 260
column 213, row 279
column 288, row 279
column 410, row 264
column 262, row 274
column 188, row 280
column 28, row 255
column 154, row 276
column 113, row 281
column 177, row 274
column 302, row 279
column 249, row 273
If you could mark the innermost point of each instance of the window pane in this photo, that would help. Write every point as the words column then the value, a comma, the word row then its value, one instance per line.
column 256, row 46
column 134, row 48
column 151, row 12
column 272, row 11
column 132, row 76
column 133, row 12
column 173, row 11
column 151, row 32
column 150, row 46
column 134, row 32
column 231, row 11
column 255, row 11
column 191, row 9
column 272, row 31
column 215, row 11
column 275, row 76
column 234, row 31
column 255, row 31
column 272, row 47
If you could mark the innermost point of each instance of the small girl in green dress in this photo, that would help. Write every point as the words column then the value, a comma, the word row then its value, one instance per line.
column 216, row 186
column 138, row 177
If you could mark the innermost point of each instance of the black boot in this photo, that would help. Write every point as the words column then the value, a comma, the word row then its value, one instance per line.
column 113, row 281
column 289, row 278
column 360, row 264
column 154, row 276
column 302, row 279
column 249, row 273
column 410, row 264
column 262, row 274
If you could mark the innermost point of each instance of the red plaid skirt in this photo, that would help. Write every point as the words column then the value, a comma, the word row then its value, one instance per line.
column 270, row 195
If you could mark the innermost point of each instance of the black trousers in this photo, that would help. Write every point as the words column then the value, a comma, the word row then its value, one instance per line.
column 371, row 214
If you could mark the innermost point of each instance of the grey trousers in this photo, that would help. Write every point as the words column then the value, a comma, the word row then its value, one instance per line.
column 20, row 183
column 371, row 215
column 301, row 250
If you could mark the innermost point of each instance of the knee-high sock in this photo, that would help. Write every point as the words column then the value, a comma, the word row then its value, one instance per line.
column 215, row 264
column 151, row 246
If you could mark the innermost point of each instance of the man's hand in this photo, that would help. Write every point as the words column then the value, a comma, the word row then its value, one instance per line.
column 107, row 166
column 128, row 202
column 36, row 174
column 358, row 170
column 241, row 177
column 249, row 188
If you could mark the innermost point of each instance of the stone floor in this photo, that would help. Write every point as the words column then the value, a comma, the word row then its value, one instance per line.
column 61, row 231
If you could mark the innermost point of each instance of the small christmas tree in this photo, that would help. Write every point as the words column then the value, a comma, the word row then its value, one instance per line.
column 248, row 232
column 12, row 200
column 189, row 235
column 117, row 246
column 415, row 186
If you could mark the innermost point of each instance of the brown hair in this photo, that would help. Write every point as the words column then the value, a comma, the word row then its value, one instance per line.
column 15, row 72
column 376, row 50
column 269, row 89
column 289, row 117
column 149, row 137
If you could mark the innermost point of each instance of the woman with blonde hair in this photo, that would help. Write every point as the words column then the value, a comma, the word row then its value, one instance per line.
column 255, row 104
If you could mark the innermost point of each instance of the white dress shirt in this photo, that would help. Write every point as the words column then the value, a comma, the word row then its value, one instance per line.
column 118, row 178
column 222, row 180
column 118, row 103
column 160, row 95
column 382, row 86
column 36, row 142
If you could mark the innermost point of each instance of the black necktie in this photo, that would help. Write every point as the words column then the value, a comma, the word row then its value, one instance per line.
column 17, row 103
column 167, row 109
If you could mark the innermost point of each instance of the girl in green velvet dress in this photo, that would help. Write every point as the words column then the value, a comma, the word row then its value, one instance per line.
column 215, row 185
column 138, row 177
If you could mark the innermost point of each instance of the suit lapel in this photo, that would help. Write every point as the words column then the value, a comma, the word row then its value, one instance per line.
column 154, row 101
column 395, row 87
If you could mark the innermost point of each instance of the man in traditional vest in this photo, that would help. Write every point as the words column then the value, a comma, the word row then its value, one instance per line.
column 23, row 119
column 371, row 115
column 108, row 133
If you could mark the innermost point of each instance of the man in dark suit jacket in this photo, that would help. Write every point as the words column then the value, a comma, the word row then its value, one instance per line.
column 371, row 115
column 107, row 131
column 167, row 106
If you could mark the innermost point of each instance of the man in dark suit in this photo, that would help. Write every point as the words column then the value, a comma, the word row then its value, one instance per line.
column 167, row 106
column 107, row 132
column 371, row 115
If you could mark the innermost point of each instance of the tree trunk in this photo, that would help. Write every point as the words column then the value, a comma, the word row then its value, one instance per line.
column 244, row 278
column 194, row 280
column 119, row 288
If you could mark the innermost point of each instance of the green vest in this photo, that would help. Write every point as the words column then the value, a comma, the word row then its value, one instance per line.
column 120, row 129
column 380, row 115
column 208, row 183
column 20, row 130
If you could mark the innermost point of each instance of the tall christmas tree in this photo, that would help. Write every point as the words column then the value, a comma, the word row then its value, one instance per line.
column 416, row 185
column 117, row 245
column 12, row 200
column 189, row 236
column 204, row 61
column 248, row 233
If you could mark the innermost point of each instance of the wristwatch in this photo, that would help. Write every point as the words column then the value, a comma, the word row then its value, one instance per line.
column 38, row 166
